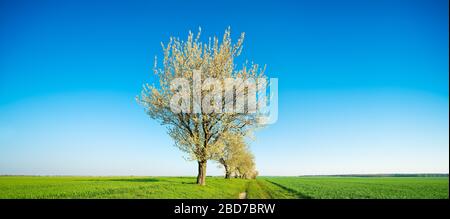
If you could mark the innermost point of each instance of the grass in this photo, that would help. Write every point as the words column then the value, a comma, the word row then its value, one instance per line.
column 262, row 189
column 118, row 187
column 365, row 187
column 36, row 187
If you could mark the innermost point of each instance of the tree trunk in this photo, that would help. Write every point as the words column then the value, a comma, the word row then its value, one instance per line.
column 227, row 172
column 201, row 177
column 237, row 173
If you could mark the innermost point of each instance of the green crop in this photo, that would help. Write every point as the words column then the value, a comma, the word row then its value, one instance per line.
column 37, row 187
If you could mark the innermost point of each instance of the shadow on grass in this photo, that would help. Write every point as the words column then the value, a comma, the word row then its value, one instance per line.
column 136, row 180
column 127, row 180
column 189, row 183
column 292, row 191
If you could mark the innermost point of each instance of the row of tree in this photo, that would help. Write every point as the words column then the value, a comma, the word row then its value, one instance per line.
column 204, row 136
column 236, row 158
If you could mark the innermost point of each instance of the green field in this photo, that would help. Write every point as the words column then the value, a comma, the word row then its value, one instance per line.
column 365, row 187
column 36, row 187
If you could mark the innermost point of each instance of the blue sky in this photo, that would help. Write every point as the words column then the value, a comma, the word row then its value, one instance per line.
column 363, row 85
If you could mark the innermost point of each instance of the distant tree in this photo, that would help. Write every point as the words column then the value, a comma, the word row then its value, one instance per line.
column 198, row 133
column 245, row 166
column 232, row 148
column 236, row 157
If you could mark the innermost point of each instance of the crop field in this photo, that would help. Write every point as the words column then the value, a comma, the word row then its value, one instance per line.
column 365, row 187
column 38, row 187
column 118, row 187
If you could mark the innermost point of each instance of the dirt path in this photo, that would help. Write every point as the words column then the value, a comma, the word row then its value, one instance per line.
column 264, row 189
column 243, row 195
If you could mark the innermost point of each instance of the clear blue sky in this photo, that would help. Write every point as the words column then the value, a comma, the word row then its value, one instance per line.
column 363, row 85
